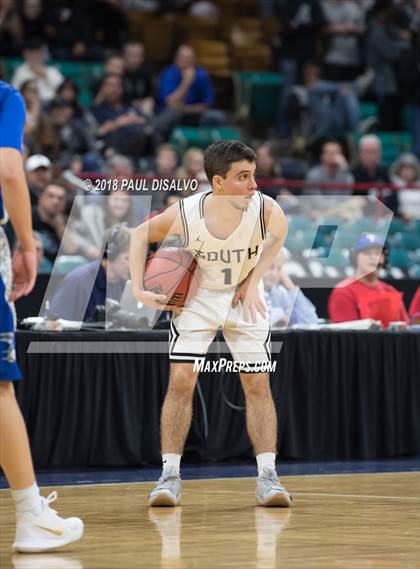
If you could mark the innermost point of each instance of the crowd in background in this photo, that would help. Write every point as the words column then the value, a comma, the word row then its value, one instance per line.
column 331, row 55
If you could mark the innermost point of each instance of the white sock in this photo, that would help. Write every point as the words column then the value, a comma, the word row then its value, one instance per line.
column 171, row 461
column 266, row 460
column 28, row 500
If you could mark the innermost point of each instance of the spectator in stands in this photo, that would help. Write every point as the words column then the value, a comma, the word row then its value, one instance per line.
column 286, row 303
column 414, row 310
column 137, row 78
column 193, row 167
column 166, row 161
column 34, row 20
column 68, row 30
column 114, row 65
column 369, row 170
column 47, row 77
column 405, row 174
column 49, row 220
column 333, row 169
column 30, row 92
column 386, row 44
column 119, row 126
column 38, row 174
column 344, row 26
column 365, row 295
column 267, row 167
column 108, row 23
column 88, row 286
column 11, row 30
column 185, row 92
column 301, row 23
column 73, row 133
column 410, row 84
column 321, row 108
column 165, row 165
column 96, row 218
column 119, row 166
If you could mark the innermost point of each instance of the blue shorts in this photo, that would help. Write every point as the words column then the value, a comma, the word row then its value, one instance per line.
column 9, row 369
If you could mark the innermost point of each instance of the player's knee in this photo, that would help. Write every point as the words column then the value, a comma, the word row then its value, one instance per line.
column 256, row 386
column 6, row 390
column 182, row 381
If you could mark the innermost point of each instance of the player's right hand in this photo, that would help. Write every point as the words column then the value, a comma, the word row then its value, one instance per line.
column 157, row 301
column 24, row 265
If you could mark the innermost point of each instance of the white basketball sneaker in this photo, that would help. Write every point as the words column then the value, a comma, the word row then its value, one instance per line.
column 45, row 531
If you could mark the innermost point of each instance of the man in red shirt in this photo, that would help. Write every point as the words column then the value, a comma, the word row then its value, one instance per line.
column 364, row 295
column 414, row 310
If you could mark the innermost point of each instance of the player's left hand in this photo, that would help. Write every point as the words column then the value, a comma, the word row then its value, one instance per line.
column 24, row 266
column 248, row 294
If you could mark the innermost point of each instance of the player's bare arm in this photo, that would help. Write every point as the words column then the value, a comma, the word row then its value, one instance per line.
column 16, row 199
column 156, row 229
column 247, row 293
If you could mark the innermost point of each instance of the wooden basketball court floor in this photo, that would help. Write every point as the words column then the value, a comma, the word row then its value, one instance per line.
column 348, row 521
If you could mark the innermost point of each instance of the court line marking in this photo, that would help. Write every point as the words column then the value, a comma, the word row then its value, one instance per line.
column 117, row 482
column 357, row 496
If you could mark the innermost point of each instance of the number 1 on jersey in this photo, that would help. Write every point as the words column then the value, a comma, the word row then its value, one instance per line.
column 228, row 276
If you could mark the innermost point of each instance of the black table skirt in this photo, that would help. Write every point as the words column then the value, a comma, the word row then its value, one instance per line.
column 339, row 395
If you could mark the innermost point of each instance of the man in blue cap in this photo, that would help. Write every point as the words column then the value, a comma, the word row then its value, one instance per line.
column 354, row 298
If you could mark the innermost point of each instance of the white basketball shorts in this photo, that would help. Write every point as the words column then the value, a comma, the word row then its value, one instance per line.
column 193, row 329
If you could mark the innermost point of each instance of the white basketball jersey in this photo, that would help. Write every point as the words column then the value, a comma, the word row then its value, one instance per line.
column 223, row 263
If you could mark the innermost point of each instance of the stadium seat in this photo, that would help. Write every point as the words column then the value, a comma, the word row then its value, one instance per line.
column 399, row 258
column 410, row 240
column 368, row 109
column 397, row 226
column 257, row 95
column 184, row 137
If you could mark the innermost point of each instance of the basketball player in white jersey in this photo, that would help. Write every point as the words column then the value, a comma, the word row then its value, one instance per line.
column 234, row 232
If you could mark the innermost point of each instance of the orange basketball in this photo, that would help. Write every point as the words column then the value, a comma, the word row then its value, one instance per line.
column 174, row 273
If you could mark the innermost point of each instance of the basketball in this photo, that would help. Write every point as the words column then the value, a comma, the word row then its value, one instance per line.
column 174, row 273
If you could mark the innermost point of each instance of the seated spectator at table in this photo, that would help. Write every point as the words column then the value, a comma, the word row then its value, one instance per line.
column 286, row 303
column 333, row 169
column 96, row 218
column 49, row 220
column 193, row 167
column 137, row 78
column 119, row 126
column 88, row 286
column 365, row 295
column 414, row 310
column 47, row 77
column 369, row 169
column 39, row 173
column 186, row 92
column 405, row 174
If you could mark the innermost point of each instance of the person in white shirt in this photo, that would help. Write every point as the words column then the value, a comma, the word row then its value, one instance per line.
column 47, row 77
column 405, row 174
column 286, row 303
